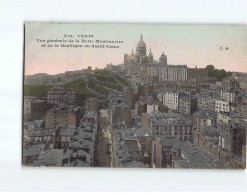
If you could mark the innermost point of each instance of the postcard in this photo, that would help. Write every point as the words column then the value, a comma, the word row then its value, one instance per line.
column 135, row 96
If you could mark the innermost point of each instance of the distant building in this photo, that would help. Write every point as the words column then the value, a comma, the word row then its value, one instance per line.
column 227, row 117
column 139, row 65
column 243, row 84
column 207, row 101
column 187, row 105
column 91, row 104
column 171, row 99
column 58, row 95
column 229, row 95
column 113, row 67
column 196, row 72
column 221, row 105
column 242, row 108
column 204, row 82
column 230, row 83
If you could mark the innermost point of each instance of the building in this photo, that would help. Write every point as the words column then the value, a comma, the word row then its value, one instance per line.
column 221, row 105
column 81, row 150
column 122, row 112
column 196, row 72
column 140, row 66
column 31, row 153
column 147, row 117
column 145, row 104
column 113, row 67
column 237, row 136
column 229, row 117
column 169, row 152
column 207, row 101
column 63, row 116
column 230, row 83
column 132, row 147
column 205, row 120
column 58, row 95
column 55, row 138
column 220, row 144
column 187, row 105
column 91, row 104
column 131, row 96
column 28, row 100
column 145, row 89
column 34, row 108
column 170, row 124
column 171, row 99
column 181, row 129
column 242, row 108
column 228, row 95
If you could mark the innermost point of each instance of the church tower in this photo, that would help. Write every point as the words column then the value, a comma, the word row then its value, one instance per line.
column 141, row 48
column 163, row 59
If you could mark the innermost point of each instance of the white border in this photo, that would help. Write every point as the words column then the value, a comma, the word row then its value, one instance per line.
column 13, row 14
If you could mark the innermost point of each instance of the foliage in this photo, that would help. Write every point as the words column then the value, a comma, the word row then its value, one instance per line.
column 104, row 78
column 121, row 80
column 97, row 88
column 82, row 93
column 102, row 72
column 112, row 86
column 38, row 90
column 218, row 74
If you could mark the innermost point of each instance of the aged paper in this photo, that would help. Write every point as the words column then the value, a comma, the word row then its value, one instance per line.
column 135, row 95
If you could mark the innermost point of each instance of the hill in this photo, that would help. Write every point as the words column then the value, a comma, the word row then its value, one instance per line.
column 98, row 85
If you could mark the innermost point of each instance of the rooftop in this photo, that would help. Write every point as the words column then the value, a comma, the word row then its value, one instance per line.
column 33, row 150
column 51, row 157
column 232, row 114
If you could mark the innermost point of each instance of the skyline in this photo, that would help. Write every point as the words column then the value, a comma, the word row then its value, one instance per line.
column 197, row 45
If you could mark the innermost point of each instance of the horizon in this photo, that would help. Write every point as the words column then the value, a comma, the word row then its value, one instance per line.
column 117, row 64
column 191, row 45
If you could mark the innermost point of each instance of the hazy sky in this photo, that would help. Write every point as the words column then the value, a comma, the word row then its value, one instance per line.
column 193, row 45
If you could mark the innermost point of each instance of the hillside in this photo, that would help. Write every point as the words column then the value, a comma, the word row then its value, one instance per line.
column 38, row 90
column 98, row 85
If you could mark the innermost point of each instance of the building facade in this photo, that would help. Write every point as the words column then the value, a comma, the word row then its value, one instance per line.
column 58, row 95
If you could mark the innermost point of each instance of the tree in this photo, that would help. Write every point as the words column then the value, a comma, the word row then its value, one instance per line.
column 210, row 67
column 218, row 74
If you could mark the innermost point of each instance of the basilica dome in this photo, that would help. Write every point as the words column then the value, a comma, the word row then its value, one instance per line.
column 141, row 48
column 150, row 55
column 141, row 43
column 132, row 54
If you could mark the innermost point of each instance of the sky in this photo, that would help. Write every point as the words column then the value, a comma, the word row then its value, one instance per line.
column 191, row 45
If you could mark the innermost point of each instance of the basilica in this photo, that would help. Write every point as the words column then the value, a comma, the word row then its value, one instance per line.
column 140, row 67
